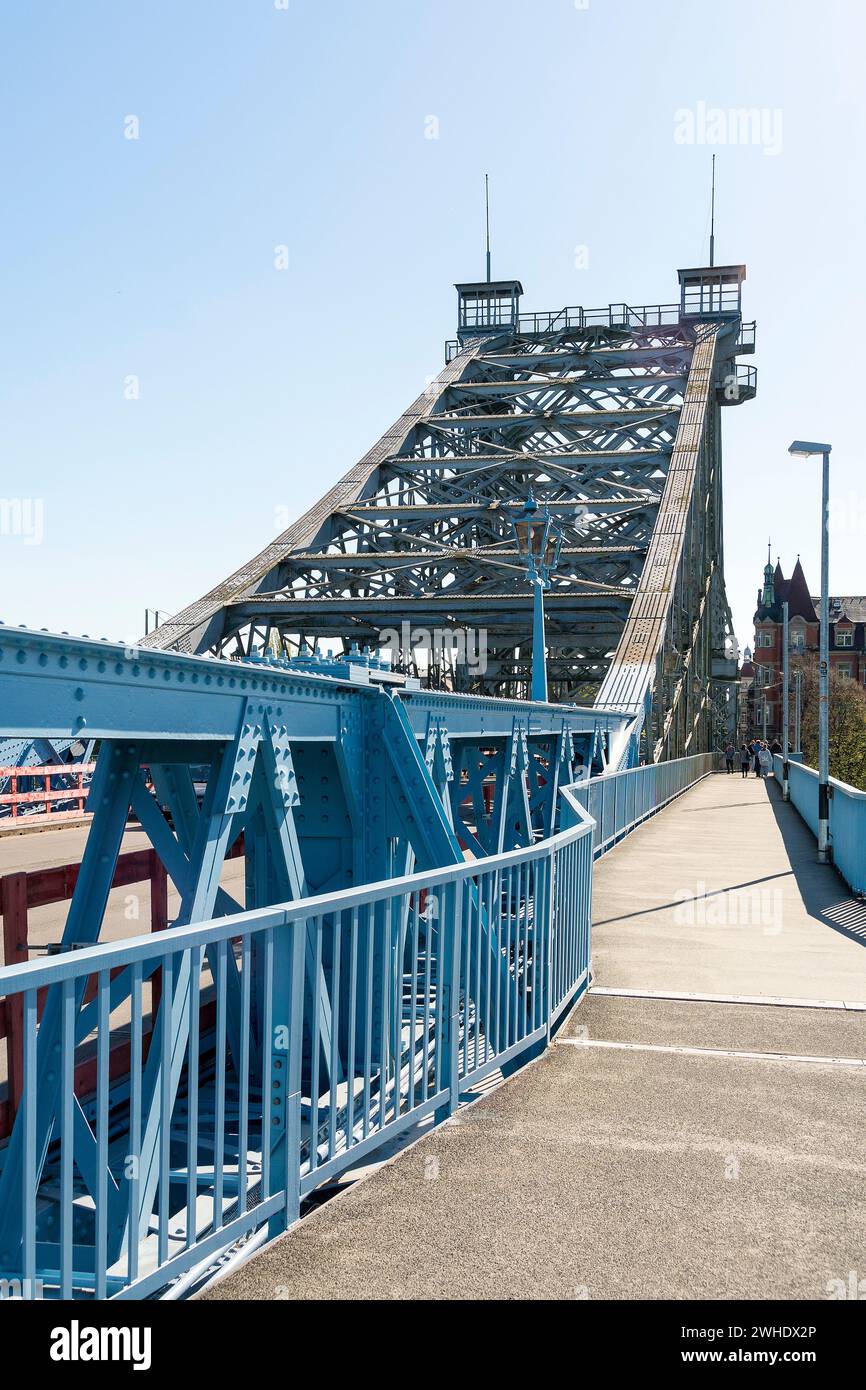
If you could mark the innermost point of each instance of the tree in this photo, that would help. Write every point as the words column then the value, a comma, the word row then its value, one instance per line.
column 847, row 721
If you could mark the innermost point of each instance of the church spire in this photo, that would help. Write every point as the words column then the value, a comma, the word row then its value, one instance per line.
column 768, row 597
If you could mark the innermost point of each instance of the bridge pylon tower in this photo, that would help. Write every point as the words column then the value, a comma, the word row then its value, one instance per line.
column 612, row 418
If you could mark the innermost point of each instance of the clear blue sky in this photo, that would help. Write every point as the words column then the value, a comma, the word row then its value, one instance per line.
column 261, row 126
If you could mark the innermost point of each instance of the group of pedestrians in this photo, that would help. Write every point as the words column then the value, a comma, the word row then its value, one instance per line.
column 757, row 756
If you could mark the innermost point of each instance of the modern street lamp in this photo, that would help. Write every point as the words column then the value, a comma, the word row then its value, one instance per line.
column 538, row 543
column 807, row 449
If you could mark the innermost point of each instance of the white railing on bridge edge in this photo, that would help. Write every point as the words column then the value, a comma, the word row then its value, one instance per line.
column 847, row 818
column 620, row 801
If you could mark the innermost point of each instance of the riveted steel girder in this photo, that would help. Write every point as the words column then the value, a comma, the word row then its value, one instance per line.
column 591, row 410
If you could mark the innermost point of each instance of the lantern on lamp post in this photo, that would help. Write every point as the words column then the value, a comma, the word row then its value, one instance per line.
column 538, row 544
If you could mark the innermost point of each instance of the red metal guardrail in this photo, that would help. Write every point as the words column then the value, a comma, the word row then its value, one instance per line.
column 20, row 796
column 19, row 892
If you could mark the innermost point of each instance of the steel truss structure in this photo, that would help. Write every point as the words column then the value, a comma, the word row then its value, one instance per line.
column 337, row 775
column 350, row 782
column 612, row 419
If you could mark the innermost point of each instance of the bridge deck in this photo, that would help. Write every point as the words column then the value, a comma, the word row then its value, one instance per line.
column 722, row 894
column 660, row 1170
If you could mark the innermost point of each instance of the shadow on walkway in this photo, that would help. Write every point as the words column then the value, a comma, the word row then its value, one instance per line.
column 826, row 895
column 694, row 897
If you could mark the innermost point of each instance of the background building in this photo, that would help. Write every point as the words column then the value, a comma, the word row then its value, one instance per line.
column 761, row 687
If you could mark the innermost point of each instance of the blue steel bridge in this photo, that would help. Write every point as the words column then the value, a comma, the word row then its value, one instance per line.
column 417, row 835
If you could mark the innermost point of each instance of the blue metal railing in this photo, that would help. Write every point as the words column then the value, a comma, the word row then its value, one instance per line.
column 361, row 1013
column 847, row 818
column 574, row 316
column 620, row 801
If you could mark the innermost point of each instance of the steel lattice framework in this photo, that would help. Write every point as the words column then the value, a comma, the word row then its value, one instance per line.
column 611, row 418
column 346, row 778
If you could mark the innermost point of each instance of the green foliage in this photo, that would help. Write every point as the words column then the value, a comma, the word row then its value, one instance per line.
column 847, row 721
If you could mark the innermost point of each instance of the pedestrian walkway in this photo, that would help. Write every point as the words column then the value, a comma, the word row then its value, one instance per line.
column 667, row 1146
column 722, row 893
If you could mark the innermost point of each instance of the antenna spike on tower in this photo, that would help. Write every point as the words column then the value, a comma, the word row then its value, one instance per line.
column 487, row 221
column 713, row 216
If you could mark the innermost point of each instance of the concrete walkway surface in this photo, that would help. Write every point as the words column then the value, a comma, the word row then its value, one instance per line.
column 722, row 893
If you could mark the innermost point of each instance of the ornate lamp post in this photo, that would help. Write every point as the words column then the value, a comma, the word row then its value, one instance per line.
column 538, row 543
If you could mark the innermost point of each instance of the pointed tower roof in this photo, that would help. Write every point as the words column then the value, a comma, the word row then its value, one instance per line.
column 768, row 595
column 800, row 603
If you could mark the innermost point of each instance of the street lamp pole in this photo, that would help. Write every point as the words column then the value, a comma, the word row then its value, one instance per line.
column 785, row 679
column 807, row 449
column 539, row 646
column 824, row 671
column 538, row 544
column 798, row 682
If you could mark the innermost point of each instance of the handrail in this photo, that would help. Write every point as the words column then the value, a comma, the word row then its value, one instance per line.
column 38, row 974
column 847, row 817
column 376, row 1007
column 620, row 801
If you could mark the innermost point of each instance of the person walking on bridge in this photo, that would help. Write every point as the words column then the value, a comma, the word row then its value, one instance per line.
column 745, row 760
column 730, row 754
column 765, row 761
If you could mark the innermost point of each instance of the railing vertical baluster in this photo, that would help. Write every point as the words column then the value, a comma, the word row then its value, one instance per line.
column 336, row 936
column 488, row 960
column 165, row 1036
column 546, row 1002
column 464, row 976
column 383, row 913
column 554, row 941
column 529, row 931
column 477, row 899
column 220, row 1084
column 538, row 915
column 564, row 887
column 450, row 989
column 195, row 959
column 28, row 1164
column 353, row 1020
column 509, row 957
column 67, row 1140
column 571, row 888
column 400, row 911
column 496, row 926
column 283, row 1106
column 369, row 920
column 441, row 980
column 244, row 1065
column 413, row 997
column 315, row 1039
column 428, row 973
column 133, row 1159
column 516, row 1030
column 101, row 1194
column 266, row 1044
column 569, row 878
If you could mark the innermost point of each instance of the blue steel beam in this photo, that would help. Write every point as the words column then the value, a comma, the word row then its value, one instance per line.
column 337, row 779
column 49, row 683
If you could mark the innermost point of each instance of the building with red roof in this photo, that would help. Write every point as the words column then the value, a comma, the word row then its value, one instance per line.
column 847, row 643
